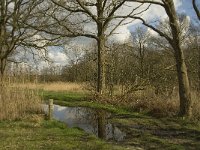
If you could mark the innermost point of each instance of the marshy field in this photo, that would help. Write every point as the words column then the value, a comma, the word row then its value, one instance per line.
column 99, row 74
column 24, row 125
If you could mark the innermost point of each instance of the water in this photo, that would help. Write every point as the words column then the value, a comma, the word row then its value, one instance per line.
column 91, row 120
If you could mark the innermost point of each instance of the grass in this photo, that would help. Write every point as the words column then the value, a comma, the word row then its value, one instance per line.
column 72, row 99
column 17, row 102
column 54, row 86
column 64, row 96
column 33, row 132
column 142, row 130
column 48, row 135
column 162, row 133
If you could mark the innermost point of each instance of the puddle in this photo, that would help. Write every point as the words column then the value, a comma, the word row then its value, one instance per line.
column 91, row 120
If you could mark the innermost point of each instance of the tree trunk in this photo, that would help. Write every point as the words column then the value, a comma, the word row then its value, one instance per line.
column 2, row 67
column 198, row 49
column 184, row 86
column 141, row 57
column 199, row 73
column 101, row 83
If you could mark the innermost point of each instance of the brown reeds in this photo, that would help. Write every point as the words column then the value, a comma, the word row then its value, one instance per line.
column 53, row 86
column 17, row 102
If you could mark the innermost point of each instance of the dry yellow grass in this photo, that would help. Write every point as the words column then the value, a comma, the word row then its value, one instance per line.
column 16, row 102
column 54, row 86
column 196, row 105
column 19, row 99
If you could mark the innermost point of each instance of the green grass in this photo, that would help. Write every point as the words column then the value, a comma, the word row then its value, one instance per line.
column 48, row 135
column 64, row 96
column 142, row 130
column 162, row 133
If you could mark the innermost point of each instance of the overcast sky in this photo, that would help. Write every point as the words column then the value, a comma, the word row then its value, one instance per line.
column 154, row 13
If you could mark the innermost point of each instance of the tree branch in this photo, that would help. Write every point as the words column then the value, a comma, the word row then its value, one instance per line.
column 147, row 1
column 153, row 28
column 196, row 8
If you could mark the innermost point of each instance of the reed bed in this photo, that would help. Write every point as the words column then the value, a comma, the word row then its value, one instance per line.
column 17, row 102
column 54, row 86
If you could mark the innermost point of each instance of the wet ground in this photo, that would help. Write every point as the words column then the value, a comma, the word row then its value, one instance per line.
column 159, row 133
column 91, row 120
column 134, row 131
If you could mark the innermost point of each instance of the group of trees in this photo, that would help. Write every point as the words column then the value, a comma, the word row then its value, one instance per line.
column 39, row 24
column 15, row 34
column 144, row 60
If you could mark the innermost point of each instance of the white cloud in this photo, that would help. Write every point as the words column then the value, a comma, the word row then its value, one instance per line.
column 121, row 34
column 153, row 33
column 153, row 14
column 58, row 57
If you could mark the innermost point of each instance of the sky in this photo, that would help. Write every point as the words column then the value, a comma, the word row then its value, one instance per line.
column 123, row 32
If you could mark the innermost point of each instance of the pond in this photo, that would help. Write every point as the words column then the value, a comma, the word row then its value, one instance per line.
column 93, row 121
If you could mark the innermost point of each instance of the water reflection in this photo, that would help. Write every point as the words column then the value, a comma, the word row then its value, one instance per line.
column 91, row 120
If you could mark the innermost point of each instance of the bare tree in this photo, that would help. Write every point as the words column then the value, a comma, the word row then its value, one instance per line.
column 14, row 33
column 193, row 55
column 96, row 19
column 175, row 41
column 140, row 39
column 74, row 54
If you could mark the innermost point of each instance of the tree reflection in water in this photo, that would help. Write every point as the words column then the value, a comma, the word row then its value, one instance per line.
column 95, row 121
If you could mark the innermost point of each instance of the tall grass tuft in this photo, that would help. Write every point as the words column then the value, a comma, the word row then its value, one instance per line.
column 196, row 105
column 17, row 102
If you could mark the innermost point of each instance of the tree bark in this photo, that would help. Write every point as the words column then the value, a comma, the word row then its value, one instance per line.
column 101, row 83
column 141, row 57
column 2, row 70
column 183, row 80
column 198, row 49
column 198, row 75
column 184, row 86
column 101, row 79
